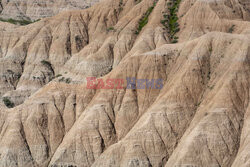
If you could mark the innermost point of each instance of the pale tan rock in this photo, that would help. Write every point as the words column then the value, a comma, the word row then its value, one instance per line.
column 198, row 118
column 37, row 9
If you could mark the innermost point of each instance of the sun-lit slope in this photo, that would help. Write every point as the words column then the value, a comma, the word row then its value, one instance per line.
column 92, row 42
column 199, row 118
column 203, row 86
column 79, row 39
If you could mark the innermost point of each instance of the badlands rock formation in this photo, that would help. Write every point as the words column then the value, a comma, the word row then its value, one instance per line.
column 36, row 9
column 200, row 117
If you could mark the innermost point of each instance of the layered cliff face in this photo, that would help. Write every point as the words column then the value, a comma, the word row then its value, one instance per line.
column 37, row 9
column 199, row 118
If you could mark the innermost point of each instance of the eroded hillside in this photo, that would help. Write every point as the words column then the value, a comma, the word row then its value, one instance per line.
column 37, row 9
column 201, row 50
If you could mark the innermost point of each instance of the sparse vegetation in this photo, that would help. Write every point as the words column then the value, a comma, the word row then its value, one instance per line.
column 174, row 41
column 18, row 75
column 72, row 166
column 58, row 75
column 137, row 1
column 209, row 75
column 17, row 22
column 198, row 104
column 211, row 87
column 68, row 80
column 170, row 20
column 8, row 102
column 10, row 71
column 231, row 29
column 144, row 20
column 120, row 5
column 210, row 50
column 110, row 29
column 48, row 65
column 13, row 77
column 61, row 79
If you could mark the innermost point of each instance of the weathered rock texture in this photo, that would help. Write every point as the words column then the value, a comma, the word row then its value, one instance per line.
column 199, row 118
column 37, row 9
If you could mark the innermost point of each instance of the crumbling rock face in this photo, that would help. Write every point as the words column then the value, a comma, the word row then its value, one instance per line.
column 199, row 117
column 37, row 9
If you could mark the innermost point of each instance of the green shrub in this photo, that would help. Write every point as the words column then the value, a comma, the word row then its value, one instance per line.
column 17, row 22
column 61, row 79
column 231, row 29
column 18, row 75
column 211, row 87
column 110, row 29
column 47, row 64
column 170, row 20
column 144, row 20
column 36, row 20
column 120, row 5
column 8, row 102
column 174, row 41
column 10, row 71
column 198, row 104
column 58, row 75
column 68, row 80
column 210, row 50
